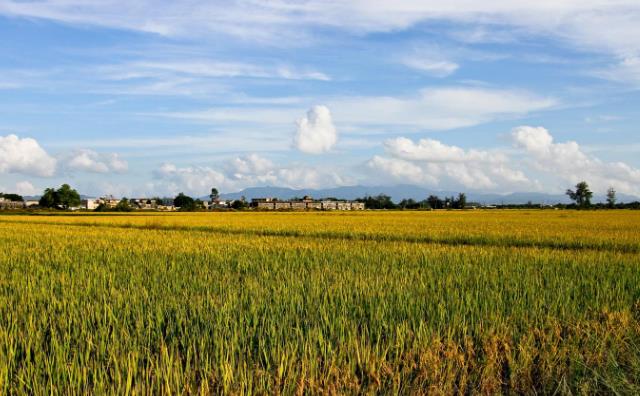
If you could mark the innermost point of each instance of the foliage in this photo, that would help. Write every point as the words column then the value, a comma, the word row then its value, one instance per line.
column 435, row 202
column 409, row 204
column 64, row 197
column 184, row 202
column 461, row 202
column 378, row 202
column 239, row 204
column 611, row 197
column 12, row 197
column 444, row 302
column 582, row 195
column 123, row 206
column 48, row 199
column 215, row 195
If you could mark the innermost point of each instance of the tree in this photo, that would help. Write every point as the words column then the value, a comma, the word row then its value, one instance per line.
column 239, row 204
column 12, row 197
column 611, row 197
column 158, row 201
column 67, row 197
column 409, row 204
column 434, row 202
column 461, row 202
column 64, row 197
column 449, row 202
column 123, row 206
column 198, row 204
column 380, row 201
column 215, row 196
column 184, row 202
column 582, row 195
column 48, row 198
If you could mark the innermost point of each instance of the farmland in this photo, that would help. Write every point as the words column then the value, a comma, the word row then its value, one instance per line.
column 400, row 302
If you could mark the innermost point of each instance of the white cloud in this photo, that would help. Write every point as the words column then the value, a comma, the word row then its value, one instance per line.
column 25, row 188
column 569, row 164
column 431, row 61
column 25, row 156
column 438, row 108
column 401, row 170
column 316, row 133
column 434, row 151
column 194, row 180
column 626, row 71
column 436, row 68
column 90, row 161
column 255, row 170
column 241, row 172
column 167, row 69
column 593, row 24
column 251, row 164
column 430, row 162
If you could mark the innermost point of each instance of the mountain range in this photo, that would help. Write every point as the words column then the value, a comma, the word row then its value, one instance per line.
column 402, row 191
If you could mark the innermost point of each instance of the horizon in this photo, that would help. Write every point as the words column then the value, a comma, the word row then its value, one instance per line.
column 396, row 193
column 490, row 98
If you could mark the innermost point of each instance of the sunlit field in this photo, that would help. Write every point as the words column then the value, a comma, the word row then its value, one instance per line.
column 305, row 303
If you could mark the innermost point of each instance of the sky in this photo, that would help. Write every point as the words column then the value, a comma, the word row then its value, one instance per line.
column 139, row 98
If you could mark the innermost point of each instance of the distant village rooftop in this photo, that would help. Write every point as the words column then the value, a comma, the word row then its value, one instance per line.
column 305, row 203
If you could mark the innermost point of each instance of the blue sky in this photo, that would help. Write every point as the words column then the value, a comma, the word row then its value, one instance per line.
column 150, row 97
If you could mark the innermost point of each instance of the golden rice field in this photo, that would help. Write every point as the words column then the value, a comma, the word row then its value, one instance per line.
column 474, row 302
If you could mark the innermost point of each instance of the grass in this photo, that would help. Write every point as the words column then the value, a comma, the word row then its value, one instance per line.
column 294, row 303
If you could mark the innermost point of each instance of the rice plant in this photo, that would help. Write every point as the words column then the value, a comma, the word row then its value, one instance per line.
column 311, row 303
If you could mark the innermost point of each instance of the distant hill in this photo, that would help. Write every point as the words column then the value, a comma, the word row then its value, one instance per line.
column 400, row 192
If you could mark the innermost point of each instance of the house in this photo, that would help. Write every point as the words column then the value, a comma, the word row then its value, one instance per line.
column 90, row 204
column 305, row 203
column 109, row 201
column 298, row 205
column 31, row 202
column 218, row 204
column 314, row 205
column 7, row 204
column 264, row 203
column 282, row 205
column 329, row 205
column 144, row 203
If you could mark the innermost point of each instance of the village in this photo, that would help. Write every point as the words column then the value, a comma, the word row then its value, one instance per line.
column 167, row 204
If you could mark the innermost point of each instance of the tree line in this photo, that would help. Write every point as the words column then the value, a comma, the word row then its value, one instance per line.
column 65, row 197
column 383, row 201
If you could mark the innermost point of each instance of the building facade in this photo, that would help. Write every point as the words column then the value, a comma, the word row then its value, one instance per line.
column 307, row 203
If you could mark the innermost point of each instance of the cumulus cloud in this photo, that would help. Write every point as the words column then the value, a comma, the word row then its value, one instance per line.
column 171, row 179
column 253, row 170
column 25, row 188
column 433, row 163
column 434, row 151
column 25, row 156
column 241, row 172
column 316, row 133
column 90, row 161
column 569, row 164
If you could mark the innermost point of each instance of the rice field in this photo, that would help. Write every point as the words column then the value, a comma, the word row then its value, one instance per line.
column 443, row 302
